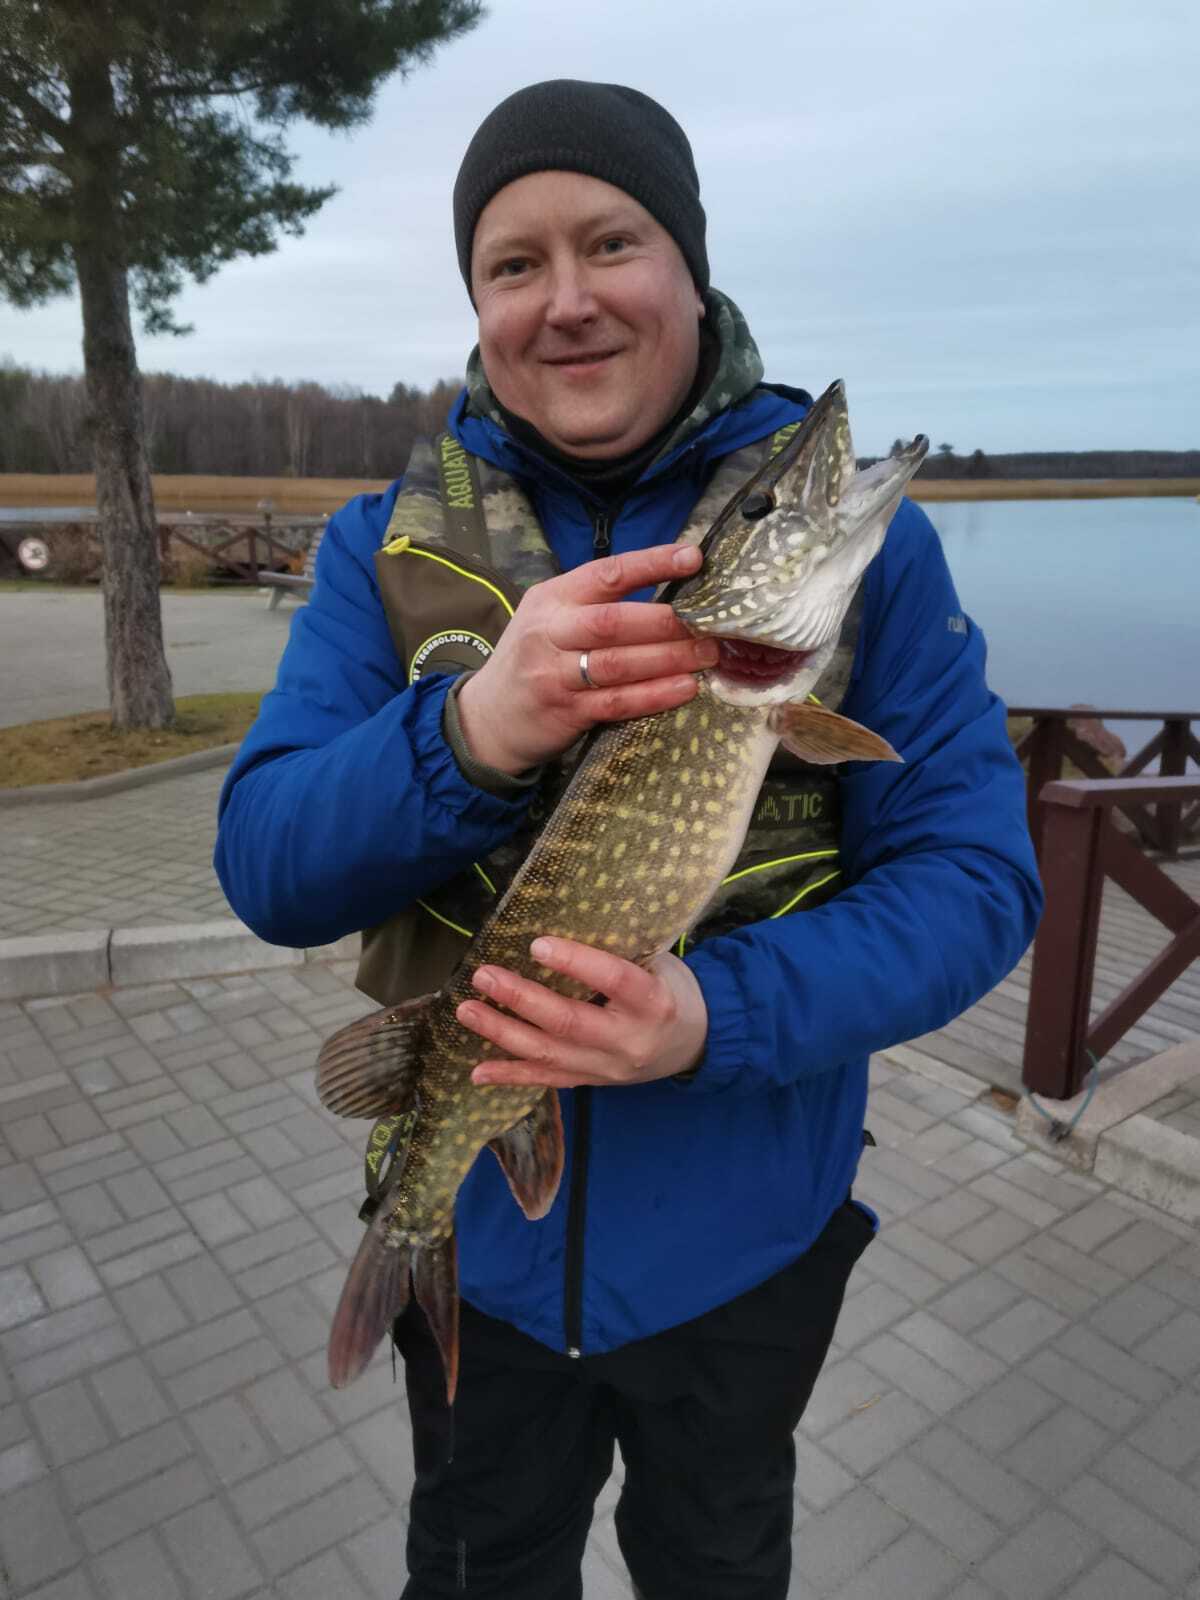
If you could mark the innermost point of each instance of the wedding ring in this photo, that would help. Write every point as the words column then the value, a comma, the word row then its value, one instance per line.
column 583, row 671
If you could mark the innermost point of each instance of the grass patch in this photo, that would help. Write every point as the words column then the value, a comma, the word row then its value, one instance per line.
column 67, row 749
column 310, row 496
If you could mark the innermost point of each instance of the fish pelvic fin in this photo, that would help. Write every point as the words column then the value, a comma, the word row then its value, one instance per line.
column 375, row 1293
column 816, row 734
column 530, row 1154
column 370, row 1067
column 435, row 1280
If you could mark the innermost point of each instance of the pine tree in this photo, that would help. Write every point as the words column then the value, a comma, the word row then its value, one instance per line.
column 142, row 143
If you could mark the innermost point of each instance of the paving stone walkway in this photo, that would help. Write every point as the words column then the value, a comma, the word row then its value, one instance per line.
column 1011, row 1410
column 52, row 648
column 1181, row 1110
column 133, row 860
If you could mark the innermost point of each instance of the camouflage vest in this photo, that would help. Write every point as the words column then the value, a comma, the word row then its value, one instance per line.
column 462, row 546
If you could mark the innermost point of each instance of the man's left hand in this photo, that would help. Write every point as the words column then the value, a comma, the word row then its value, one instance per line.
column 654, row 1024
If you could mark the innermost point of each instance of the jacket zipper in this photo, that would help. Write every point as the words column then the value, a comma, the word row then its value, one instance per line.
column 601, row 534
column 576, row 1220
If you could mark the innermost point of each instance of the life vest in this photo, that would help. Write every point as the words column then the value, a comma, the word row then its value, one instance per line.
column 462, row 546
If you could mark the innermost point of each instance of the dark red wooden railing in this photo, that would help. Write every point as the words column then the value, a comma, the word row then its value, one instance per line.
column 1050, row 743
column 1079, row 848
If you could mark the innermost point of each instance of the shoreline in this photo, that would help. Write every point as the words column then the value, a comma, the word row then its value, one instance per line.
column 312, row 496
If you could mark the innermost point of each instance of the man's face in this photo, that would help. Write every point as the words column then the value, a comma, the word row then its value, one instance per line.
column 589, row 321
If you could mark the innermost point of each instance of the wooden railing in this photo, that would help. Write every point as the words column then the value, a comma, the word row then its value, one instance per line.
column 246, row 551
column 1050, row 743
column 1080, row 847
column 248, row 543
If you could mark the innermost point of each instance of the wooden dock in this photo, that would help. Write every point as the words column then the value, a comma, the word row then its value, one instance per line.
column 988, row 1040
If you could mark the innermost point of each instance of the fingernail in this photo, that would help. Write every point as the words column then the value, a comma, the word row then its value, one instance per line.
column 481, row 1077
column 484, row 980
column 686, row 557
column 541, row 949
column 708, row 653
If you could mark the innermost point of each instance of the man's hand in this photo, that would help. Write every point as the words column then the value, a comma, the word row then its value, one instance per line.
column 528, row 702
column 654, row 1025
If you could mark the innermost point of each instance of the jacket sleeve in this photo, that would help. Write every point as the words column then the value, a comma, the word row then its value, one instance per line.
column 345, row 802
column 942, row 891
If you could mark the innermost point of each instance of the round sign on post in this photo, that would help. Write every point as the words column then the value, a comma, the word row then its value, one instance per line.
column 34, row 555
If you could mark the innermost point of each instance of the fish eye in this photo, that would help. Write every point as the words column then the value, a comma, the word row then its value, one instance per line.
column 757, row 505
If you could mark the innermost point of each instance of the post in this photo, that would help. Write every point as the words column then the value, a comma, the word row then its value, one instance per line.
column 1045, row 765
column 1173, row 765
column 1064, row 953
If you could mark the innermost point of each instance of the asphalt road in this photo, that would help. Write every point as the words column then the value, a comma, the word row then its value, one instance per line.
column 52, row 648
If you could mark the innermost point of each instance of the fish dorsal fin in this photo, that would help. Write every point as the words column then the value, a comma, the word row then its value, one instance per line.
column 369, row 1067
column 531, row 1156
column 823, row 737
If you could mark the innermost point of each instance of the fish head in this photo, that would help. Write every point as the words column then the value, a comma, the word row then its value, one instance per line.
column 785, row 556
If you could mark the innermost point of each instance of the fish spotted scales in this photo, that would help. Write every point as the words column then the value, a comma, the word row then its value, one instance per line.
column 635, row 850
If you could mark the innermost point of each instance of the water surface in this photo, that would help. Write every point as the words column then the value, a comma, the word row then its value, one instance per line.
column 1082, row 600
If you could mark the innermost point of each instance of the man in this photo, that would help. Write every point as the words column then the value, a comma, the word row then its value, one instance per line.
column 682, row 1293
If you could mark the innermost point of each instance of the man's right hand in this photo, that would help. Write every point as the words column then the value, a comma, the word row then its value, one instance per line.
column 529, row 703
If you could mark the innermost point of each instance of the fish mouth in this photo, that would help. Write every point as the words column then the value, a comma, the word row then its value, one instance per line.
column 743, row 665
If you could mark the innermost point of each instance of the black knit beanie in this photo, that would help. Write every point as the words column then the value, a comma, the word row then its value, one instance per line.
column 601, row 129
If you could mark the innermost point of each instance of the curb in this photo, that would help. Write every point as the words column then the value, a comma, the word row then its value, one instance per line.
column 116, row 782
column 52, row 964
column 1116, row 1142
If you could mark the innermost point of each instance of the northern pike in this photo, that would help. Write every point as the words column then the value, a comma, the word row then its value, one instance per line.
column 649, row 825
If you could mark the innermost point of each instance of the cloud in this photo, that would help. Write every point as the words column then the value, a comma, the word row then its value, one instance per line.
column 982, row 217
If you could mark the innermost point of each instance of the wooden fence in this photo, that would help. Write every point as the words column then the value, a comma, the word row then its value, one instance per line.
column 1079, row 848
column 1050, row 744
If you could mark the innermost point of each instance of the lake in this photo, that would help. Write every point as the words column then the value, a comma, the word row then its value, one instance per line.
column 1082, row 600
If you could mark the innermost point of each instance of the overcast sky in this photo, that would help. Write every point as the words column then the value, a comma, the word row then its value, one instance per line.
column 984, row 215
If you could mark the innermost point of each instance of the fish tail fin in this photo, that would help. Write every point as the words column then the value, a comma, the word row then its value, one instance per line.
column 435, row 1281
column 374, row 1294
column 530, row 1154
column 814, row 733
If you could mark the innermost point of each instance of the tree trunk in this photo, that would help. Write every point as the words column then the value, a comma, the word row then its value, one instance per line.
column 139, row 680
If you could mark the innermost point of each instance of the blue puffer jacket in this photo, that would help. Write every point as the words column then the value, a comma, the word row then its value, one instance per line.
column 345, row 803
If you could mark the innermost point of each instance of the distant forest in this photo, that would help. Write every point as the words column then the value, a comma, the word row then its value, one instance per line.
column 305, row 430
column 193, row 425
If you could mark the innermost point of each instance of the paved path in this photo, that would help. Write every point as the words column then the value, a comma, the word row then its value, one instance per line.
column 1010, row 1412
column 144, row 858
column 138, row 859
column 52, row 648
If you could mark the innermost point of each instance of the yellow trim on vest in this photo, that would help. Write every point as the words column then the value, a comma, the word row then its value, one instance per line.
column 484, row 876
column 403, row 545
column 779, row 861
column 807, row 890
column 466, row 932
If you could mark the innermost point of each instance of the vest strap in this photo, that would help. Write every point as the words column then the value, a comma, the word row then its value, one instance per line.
column 461, row 497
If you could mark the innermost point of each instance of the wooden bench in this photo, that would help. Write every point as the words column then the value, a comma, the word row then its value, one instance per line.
column 299, row 584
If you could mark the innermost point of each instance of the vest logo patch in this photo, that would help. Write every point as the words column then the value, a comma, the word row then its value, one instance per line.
column 457, row 647
column 786, row 809
column 456, row 475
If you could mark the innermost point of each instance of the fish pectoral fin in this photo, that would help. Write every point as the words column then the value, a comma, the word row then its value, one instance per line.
column 814, row 733
column 370, row 1067
column 435, row 1283
column 530, row 1154
column 373, row 1296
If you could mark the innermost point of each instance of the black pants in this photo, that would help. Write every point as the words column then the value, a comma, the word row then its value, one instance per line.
column 704, row 1415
